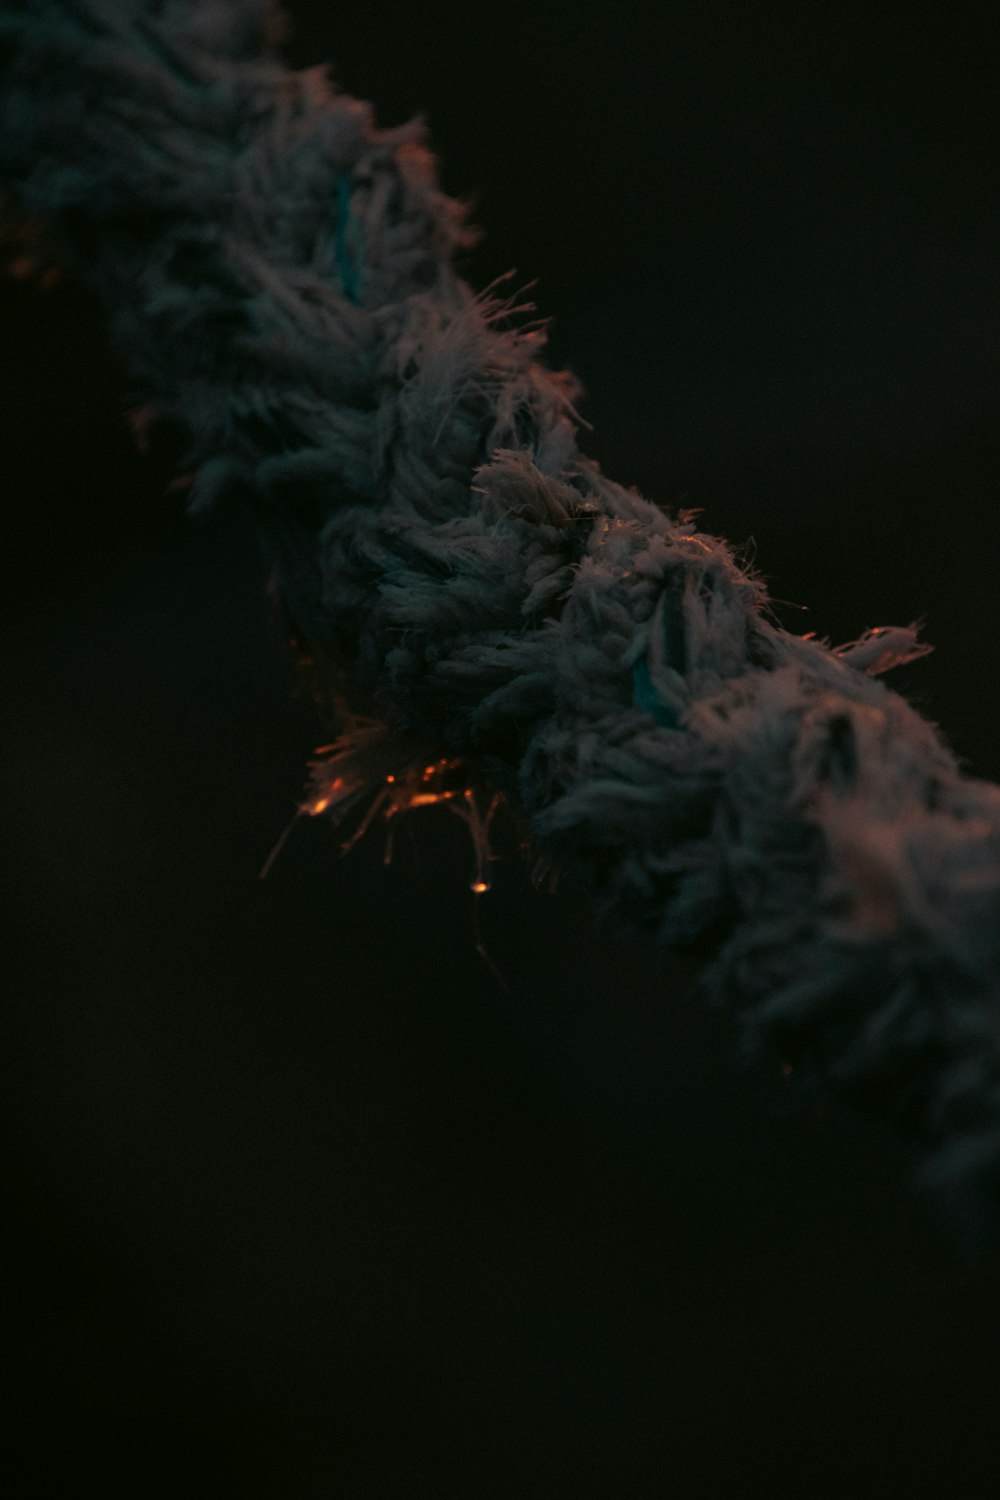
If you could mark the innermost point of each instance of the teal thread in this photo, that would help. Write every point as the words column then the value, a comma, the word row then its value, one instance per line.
column 668, row 618
column 349, row 246
column 644, row 696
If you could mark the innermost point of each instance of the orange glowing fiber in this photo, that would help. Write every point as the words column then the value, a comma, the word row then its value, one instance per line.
column 424, row 799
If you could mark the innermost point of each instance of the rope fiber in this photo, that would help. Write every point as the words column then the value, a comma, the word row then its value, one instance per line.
column 489, row 613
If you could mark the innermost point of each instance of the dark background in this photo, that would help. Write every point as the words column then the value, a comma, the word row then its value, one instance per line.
column 299, row 1200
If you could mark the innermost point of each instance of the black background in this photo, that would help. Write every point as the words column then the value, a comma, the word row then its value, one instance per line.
column 300, row 1201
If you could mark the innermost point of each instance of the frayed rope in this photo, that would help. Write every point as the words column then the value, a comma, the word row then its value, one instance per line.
column 501, row 618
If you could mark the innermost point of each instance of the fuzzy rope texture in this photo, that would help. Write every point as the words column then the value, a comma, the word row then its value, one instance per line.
column 278, row 274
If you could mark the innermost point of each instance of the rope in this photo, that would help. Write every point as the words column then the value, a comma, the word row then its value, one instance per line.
column 491, row 615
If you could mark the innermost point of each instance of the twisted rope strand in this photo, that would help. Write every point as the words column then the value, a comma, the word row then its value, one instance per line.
column 488, row 609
